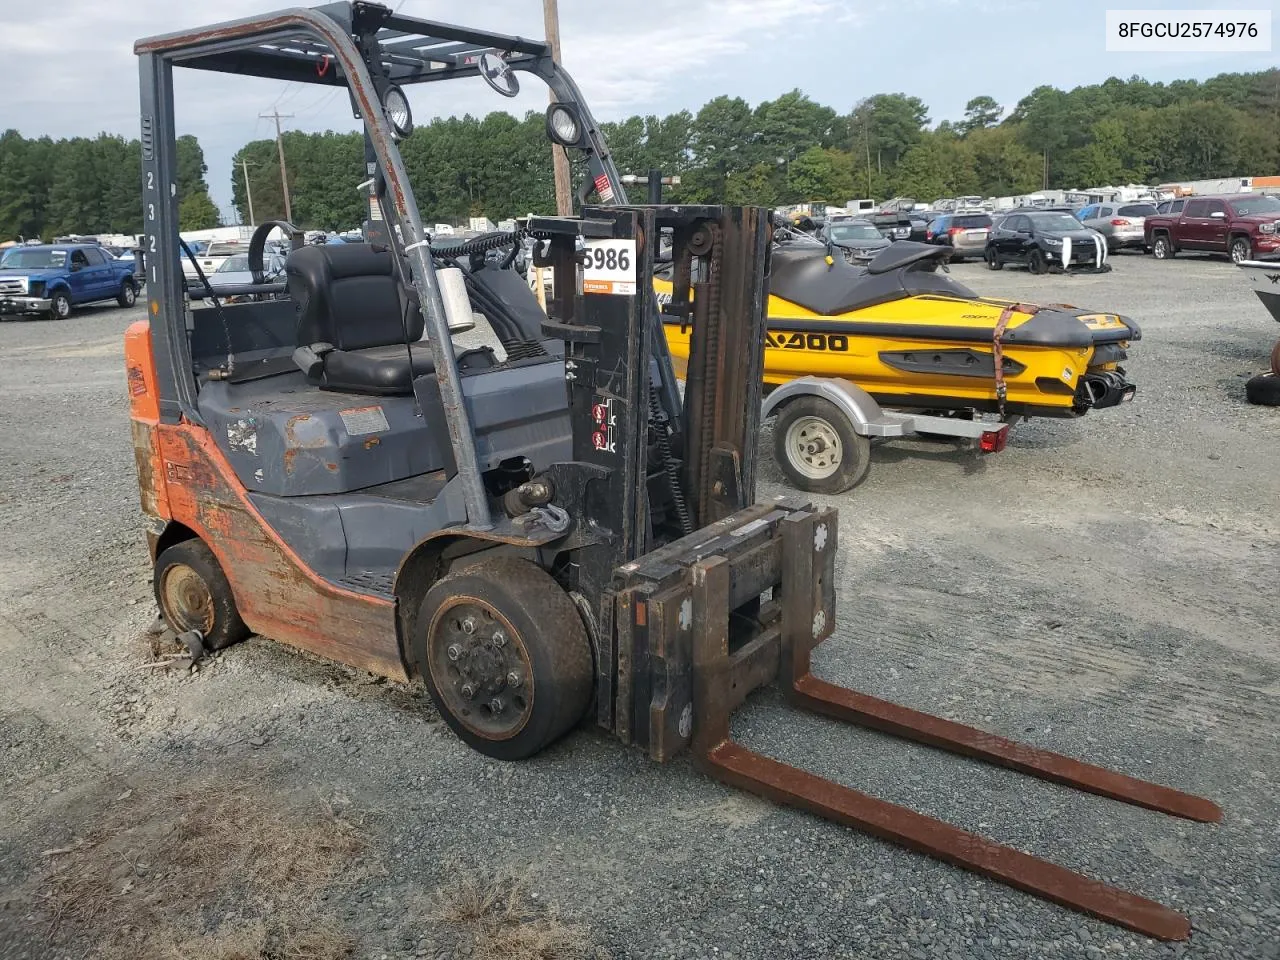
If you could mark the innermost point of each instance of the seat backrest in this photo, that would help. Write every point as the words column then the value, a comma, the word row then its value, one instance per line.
column 349, row 295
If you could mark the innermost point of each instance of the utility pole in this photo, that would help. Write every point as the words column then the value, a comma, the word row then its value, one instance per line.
column 248, row 193
column 559, row 159
column 284, row 173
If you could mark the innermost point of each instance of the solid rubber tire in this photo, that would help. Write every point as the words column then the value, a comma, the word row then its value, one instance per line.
column 553, row 636
column 855, row 459
column 1263, row 390
column 228, row 627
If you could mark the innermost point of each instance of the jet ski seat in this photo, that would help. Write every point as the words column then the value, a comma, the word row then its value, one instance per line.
column 801, row 275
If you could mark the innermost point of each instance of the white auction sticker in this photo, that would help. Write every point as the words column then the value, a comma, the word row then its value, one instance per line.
column 1188, row 31
column 610, row 267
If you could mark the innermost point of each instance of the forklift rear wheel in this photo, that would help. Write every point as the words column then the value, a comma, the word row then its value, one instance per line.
column 505, row 657
column 193, row 594
column 816, row 447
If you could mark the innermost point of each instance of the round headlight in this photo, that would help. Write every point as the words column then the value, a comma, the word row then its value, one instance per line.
column 563, row 126
column 396, row 105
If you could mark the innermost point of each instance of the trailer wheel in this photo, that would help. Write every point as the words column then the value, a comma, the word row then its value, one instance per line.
column 816, row 447
column 193, row 594
column 505, row 657
column 1264, row 390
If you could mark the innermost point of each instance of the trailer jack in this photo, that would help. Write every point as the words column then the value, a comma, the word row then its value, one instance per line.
column 800, row 542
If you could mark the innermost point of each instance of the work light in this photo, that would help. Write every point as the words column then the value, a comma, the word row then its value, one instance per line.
column 563, row 125
column 396, row 105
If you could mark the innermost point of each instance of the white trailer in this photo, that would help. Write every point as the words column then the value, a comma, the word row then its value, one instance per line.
column 822, row 439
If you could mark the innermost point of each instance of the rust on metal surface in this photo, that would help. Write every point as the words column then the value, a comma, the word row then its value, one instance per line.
column 740, row 767
column 866, row 711
column 276, row 593
column 800, row 616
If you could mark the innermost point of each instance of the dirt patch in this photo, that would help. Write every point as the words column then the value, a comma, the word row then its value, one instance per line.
column 495, row 916
column 207, row 871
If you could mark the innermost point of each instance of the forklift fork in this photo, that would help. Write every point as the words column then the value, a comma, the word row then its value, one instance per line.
column 805, row 615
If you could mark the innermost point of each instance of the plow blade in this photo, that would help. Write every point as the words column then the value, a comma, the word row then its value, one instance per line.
column 739, row 767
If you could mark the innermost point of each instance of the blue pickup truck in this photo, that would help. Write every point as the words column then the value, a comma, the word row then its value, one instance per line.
column 49, row 280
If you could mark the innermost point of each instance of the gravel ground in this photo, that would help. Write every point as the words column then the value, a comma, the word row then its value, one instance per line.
column 1105, row 588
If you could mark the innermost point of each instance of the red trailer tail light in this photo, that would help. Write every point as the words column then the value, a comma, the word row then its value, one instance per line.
column 993, row 441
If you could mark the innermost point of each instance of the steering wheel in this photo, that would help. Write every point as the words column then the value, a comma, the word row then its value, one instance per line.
column 258, row 245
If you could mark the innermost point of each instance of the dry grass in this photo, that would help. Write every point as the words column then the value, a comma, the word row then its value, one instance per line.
column 162, row 864
column 501, row 920
column 250, row 941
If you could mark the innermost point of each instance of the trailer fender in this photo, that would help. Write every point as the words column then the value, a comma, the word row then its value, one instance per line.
column 865, row 415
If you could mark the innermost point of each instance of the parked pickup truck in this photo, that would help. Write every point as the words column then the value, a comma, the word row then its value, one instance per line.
column 1244, row 225
column 49, row 280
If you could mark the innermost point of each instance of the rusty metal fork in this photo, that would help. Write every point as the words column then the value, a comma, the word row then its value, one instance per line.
column 807, row 607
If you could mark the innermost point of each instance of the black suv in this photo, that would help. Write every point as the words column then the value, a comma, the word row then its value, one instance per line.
column 1045, row 240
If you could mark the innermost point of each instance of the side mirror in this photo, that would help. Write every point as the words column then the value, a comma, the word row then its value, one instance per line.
column 1218, row 215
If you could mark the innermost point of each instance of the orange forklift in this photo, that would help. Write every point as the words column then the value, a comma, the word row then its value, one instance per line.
column 540, row 533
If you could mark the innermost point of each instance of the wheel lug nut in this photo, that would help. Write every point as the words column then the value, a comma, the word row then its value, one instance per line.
column 469, row 625
column 496, row 705
column 468, row 690
column 499, row 638
column 455, row 651
column 513, row 679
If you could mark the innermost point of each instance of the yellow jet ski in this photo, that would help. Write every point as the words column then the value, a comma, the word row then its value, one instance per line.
column 913, row 337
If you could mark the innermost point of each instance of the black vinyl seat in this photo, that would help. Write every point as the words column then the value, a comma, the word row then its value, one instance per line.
column 800, row 274
column 353, row 317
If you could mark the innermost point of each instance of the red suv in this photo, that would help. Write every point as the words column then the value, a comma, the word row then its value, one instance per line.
column 1244, row 225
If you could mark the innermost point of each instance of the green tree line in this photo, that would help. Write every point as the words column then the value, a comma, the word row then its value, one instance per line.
column 787, row 150
column 89, row 186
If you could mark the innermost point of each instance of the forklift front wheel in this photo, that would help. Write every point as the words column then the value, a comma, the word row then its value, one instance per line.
column 193, row 594
column 816, row 447
column 505, row 657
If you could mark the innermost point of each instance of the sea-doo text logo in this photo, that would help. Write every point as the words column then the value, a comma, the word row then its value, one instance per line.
column 830, row 342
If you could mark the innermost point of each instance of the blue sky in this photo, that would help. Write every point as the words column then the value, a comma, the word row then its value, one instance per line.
column 652, row 57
